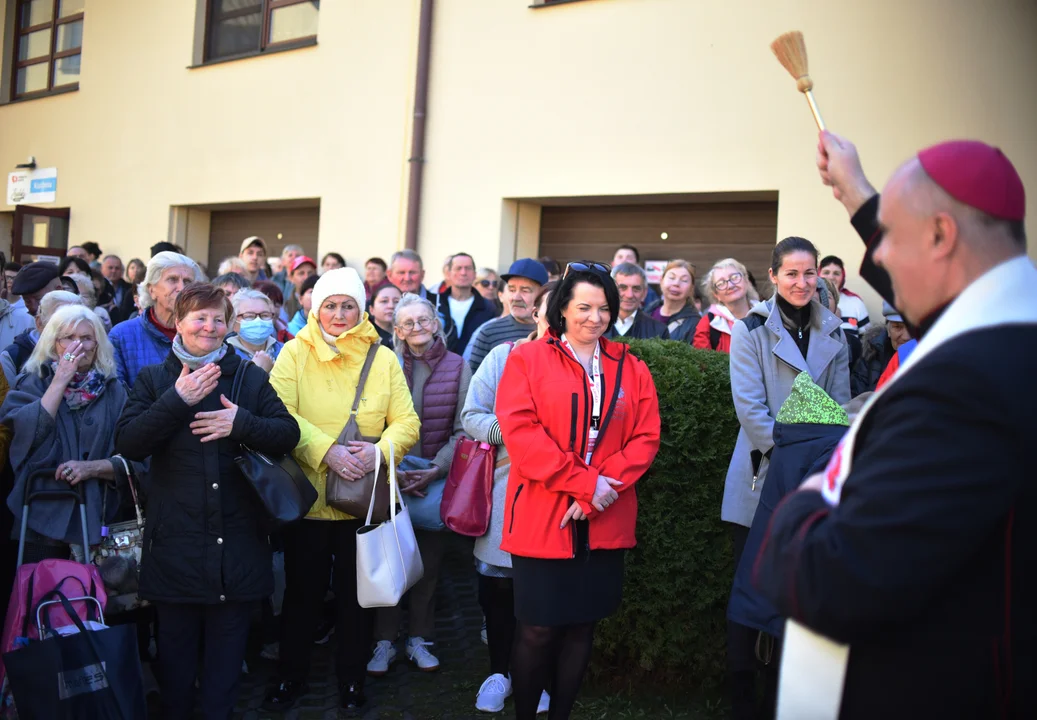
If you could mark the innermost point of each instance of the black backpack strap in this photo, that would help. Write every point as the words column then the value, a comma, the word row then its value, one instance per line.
column 714, row 334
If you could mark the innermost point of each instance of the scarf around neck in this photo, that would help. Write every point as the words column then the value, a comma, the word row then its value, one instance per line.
column 194, row 362
column 84, row 388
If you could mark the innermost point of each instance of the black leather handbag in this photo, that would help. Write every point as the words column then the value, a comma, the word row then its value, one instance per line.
column 279, row 482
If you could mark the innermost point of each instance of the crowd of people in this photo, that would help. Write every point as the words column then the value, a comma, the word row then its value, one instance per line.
column 103, row 360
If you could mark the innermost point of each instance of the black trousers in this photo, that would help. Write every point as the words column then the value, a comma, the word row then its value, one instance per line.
column 222, row 631
column 745, row 669
column 309, row 547
column 497, row 600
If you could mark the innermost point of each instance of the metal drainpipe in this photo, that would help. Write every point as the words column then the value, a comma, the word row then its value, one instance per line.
column 417, row 150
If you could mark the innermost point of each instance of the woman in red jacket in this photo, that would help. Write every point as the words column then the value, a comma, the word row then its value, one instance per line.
column 731, row 297
column 580, row 420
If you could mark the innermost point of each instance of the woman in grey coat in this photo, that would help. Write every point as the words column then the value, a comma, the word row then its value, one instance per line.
column 779, row 339
column 63, row 409
column 496, row 590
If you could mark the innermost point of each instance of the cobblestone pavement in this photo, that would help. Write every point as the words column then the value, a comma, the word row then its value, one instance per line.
column 405, row 693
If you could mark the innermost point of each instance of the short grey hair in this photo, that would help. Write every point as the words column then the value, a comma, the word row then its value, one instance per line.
column 232, row 278
column 165, row 260
column 85, row 285
column 406, row 255
column 232, row 264
column 293, row 248
column 52, row 302
column 250, row 294
column 410, row 300
column 630, row 269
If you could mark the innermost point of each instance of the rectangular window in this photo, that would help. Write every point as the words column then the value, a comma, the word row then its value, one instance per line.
column 48, row 46
column 238, row 28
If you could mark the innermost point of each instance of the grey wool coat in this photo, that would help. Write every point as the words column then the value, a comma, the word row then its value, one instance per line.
column 41, row 442
column 765, row 361
column 479, row 418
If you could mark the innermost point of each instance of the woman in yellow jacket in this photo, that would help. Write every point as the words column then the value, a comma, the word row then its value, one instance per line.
column 316, row 376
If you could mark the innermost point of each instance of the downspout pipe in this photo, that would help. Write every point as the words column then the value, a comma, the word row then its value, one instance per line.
column 417, row 150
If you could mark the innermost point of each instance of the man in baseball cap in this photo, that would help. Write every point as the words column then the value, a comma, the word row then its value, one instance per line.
column 34, row 281
column 916, row 543
column 253, row 254
column 522, row 281
column 301, row 269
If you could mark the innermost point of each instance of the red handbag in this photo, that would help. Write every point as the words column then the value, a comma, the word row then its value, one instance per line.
column 468, row 493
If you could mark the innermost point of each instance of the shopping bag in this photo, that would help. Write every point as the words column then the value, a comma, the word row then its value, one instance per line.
column 425, row 511
column 388, row 562
column 87, row 675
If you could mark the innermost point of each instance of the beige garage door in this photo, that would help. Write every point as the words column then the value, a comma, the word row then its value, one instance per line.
column 297, row 226
column 700, row 233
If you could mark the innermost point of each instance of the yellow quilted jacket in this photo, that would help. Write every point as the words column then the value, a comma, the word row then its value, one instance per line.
column 318, row 386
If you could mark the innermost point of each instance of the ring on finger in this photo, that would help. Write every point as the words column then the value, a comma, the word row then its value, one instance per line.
column 69, row 356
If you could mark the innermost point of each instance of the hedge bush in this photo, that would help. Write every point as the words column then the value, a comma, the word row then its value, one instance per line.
column 671, row 625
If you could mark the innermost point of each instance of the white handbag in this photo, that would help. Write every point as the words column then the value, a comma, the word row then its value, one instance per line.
column 388, row 562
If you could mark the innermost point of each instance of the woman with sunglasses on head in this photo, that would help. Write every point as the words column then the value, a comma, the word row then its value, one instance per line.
column 726, row 287
column 779, row 339
column 493, row 565
column 676, row 307
column 579, row 417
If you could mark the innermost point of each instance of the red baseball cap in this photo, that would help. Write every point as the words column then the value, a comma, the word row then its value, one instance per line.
column 300, row 261
column 978, row 175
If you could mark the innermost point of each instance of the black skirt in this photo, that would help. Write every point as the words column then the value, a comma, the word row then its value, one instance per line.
column 584, row 589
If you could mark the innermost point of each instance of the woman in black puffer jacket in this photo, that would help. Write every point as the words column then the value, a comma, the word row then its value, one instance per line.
column 206, row 556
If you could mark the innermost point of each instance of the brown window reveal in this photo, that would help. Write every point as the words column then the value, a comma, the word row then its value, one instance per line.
column 240, row 28
column 48, row 47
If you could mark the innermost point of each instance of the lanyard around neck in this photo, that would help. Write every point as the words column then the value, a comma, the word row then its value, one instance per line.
column 593, row 379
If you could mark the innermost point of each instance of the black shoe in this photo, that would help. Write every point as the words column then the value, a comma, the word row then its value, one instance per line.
column 283, row 696
column 353, row 698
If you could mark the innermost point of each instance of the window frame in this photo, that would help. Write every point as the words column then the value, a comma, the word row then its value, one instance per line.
column 51, row 58
column 266, row 10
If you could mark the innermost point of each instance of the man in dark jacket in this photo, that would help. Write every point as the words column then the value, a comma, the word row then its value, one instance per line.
column 462, row 310
column 916, row 545
column 632, row 322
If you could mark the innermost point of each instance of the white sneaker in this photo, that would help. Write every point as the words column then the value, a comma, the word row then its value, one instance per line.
column 417, row 653
column 545, row 703
column 384, row 655
column 494, row 691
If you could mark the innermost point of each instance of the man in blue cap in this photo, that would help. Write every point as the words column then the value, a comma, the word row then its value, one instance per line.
column 522, row 281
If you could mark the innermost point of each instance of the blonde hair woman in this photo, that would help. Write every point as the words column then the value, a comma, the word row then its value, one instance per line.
column 63, row 410
column 731, row 296
column 676, row 308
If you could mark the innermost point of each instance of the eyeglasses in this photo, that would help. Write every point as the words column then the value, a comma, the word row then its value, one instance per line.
column 733, row 279
column 423, row 322
column 587, row 266
column 485, row 283
column 253, row 316
column 84, row 341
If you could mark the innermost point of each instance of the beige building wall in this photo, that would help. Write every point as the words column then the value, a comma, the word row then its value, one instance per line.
column 145, row 132
column 620, row 97
column 593, row 98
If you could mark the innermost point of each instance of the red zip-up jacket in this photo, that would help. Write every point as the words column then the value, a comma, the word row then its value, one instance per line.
column 544, row 410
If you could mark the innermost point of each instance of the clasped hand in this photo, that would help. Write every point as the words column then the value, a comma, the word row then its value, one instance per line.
column 351, row 461
column 605, row 494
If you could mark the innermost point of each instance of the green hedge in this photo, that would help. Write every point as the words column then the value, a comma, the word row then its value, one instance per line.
column 671, row 625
